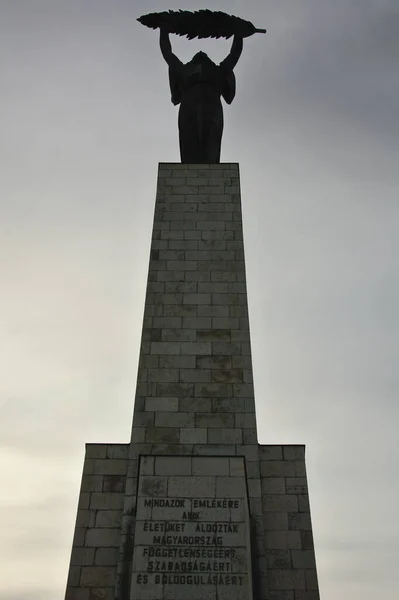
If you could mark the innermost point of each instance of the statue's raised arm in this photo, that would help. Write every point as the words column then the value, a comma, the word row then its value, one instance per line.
column 166, row 48
column 233, row 57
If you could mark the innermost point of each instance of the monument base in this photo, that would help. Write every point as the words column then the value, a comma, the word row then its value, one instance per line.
column 207, row 494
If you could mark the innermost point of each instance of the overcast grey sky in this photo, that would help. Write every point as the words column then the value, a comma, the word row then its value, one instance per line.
column 85, row 118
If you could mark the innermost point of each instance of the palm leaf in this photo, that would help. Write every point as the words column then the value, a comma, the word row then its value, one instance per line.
column 200, row 23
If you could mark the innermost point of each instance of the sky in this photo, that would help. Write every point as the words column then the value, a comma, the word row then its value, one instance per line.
column 85, row 118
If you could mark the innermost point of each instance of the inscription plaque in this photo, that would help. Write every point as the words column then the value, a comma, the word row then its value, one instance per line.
column 183, row 543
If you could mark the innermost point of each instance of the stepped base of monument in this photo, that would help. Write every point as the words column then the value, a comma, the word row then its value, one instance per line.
column 193, row 527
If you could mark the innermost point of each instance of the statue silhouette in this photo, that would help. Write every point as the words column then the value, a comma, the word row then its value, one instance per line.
column 198, row 87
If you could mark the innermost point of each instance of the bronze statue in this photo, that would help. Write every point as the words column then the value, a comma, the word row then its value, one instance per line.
column 199, row 85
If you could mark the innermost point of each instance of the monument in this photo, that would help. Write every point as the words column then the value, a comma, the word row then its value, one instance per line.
column 193, row 507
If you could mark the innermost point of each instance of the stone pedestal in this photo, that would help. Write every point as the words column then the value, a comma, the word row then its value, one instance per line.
column 193, row 507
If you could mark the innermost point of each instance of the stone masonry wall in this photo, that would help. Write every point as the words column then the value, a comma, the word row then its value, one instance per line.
column 195, row 391
column 92, row 571
column 287, row 563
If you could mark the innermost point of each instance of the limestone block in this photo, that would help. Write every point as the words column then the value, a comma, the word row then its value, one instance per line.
column 286, row 579
column 168, row 435
column 192, row 487
column 110, row 466
column 106, row 501
column 277, row 468
column 215, row 420
column 108, row 519
column 296, row 485
column 77, row 594
column 166, row 465
column 283, row 540
column 102, row 537
column 162, row 404
column 210, row 466
column 193, row 435
column 106, row 557
column 279, row 503
column 97, row 576
column 225, row 436
column 215, row 450
column 82, row 556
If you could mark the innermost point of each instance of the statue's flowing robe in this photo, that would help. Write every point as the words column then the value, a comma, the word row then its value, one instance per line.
column 198, row 87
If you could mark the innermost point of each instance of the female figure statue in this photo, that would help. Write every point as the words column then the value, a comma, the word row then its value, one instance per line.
column 198, row 87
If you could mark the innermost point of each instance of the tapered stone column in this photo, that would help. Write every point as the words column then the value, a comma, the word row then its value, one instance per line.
column 193, row 507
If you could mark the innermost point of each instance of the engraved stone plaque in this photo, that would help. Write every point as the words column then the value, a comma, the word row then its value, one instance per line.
column 192, row 530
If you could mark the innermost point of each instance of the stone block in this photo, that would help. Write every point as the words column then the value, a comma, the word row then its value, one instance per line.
column 279, row 503
column 174, row 419
column 216, row 420
column 106, row 556
column 273, row 485
column 213, row 390
column 278, row 559
column 178, row 362
column 85, row 518
column 230, row 487
column 211, row 335
column 106, row 501
column 108, row 519
column 303, row 559
column 195, row 375
column 143, row 419
column 152, row 485
column 96, row 450
column 227, row 376
column 192, row 487
column 303, row 503
column 283, row 540
column 246, row 421
column 102, row 537
column 229, row 405
column 311, row 578
column 77, row 594
column 91, row 483
column 97, row 576
column 294, row 452
column 213, row 362
column 277, row 468
column 237, row 467
column 79, row 535
column 110, row 466
column 118, row 451
column 163, row 375
column 210, row 466
column 166, row 435
column 296, row 485
column 176, row 390
column 196, row 348
column 225, row 436
column 252, row 468
column 193, row 435
column 286, row 579
column 82, row 556
column 254, row 489
column 215, row 450
column 114, row 483
column 167, row 465
column 195, row 405
column 299, row 521
column 162, row 404
column 165, row 348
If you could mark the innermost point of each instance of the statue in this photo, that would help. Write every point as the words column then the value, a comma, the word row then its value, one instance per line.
column 199, row 85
